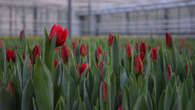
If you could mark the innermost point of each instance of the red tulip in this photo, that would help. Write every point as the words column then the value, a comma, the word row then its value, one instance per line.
column 101, row 66
column 138, row 65
column 36, row 52
column 104, row 90
column 110, row 39
column 168, row 40
column 55, row 62
column 21, row 35
column 98, row 53
column 60, row 34
column 83, row 50
column 142, row 56
column 120, row 107
column 153, row 54
column 143, row 47
column 168, row 70
column 10, row 55
column 64, row 53
column 82, row 68
column 10, row 88
column 73, row 46
column 128, row 50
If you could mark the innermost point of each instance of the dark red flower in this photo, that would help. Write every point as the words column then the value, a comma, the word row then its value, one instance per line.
column 10, row 88
column 64, row 53
column 98, row 53
column 101, row 66
column 73, row 46
column 142, row 47
column 168, row 40
column 82, row 68
column 168, row 70
column 128, row 50
column 83, row 50
column 110, row 39
column 142, row 56
column 36, row 52
column 60, row 34
column 153, row 54
column 120, row 107
column 21, row 35
column 104, row 90
column 10, row 55
column 138, row 65
column 55, row 62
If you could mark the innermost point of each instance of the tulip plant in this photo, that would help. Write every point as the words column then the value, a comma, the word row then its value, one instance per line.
column 63, row 74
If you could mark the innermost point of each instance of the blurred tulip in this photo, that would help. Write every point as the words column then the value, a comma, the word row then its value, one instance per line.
column 36, row 52
column 64, row 53
column 168, row 40
column 10, row 55
column 83, row 50
column 138, row 65
column 21, row 35
column 168, row 70
column 110, row 39
column 55, row 62
column 142, row 56
column 10, row 88
column 98, row 53
column 143, row 47
column 153, row 54
column 120, row 107
column 128, row 50
column 101, row 66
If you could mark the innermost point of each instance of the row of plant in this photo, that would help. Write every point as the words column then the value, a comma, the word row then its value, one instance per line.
column 64, row 74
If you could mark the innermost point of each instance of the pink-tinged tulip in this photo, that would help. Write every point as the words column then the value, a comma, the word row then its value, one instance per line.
column 36, row 52
column 110, row 39
column 73, row 46
column 10, row 55
column 10, row 88
column 21, row 35
column 138, row 65
column 142, row 56
column 104, row 90
column 168, row 70
column 60, row 34
column 83, row 50
column 128, row 50
column 101, row 66
column 120, row 107
column 64, row 53
column 168, row 40
column 142, row 47
column 55, row 62
column 98, row 53
column 153, row 54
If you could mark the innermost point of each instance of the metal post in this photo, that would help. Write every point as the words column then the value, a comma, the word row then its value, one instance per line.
column 10, row 20
column 35, row 20
column 127, row 24
column 89, row 17
column 69, row 17
column 23, row 18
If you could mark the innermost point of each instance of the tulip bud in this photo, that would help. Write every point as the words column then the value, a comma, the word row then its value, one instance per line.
column 128, row 50
column 21, row 35
column 138, row 65
column 168, row 40
column 101, row 66
column 36, row 52
column 64, row 53
column 142, row 56
column 104, row 90
column 153, row 54
column 83, row 50
column 110, row 39
column 10, row 55
column 98, row 52
column 60, row 34
column 168, row 71
column 143, row 47
column 55, row 62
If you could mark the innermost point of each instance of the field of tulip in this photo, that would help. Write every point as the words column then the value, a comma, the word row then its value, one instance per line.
column 111, row 73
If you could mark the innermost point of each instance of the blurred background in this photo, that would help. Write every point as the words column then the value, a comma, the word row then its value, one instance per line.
column 98, row 17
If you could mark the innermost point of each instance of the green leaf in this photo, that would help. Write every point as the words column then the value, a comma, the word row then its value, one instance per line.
column 43, row 86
